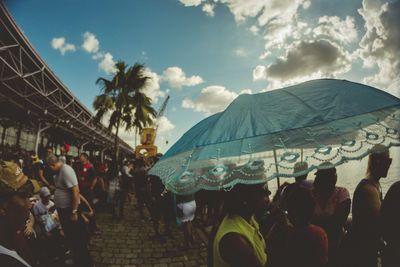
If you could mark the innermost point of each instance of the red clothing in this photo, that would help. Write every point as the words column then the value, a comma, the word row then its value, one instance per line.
column 86, row 174
column 307, row 247
column 102, row 169
column 67, row 147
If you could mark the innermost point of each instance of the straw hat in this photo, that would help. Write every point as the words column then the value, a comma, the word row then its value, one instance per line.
column 300, row 167
column 35, row 159
column 12, row 175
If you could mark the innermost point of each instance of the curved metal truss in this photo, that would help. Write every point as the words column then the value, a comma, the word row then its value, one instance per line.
column 27, row 81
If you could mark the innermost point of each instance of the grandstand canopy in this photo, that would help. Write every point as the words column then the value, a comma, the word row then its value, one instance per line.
column 31, row 91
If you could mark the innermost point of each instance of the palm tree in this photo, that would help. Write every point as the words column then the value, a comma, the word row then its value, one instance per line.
column 123, row 98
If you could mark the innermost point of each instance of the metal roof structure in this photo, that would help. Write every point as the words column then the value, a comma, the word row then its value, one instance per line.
column 28, row 83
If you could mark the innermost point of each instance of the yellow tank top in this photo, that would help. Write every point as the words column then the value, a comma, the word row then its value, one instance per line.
column 250, row 231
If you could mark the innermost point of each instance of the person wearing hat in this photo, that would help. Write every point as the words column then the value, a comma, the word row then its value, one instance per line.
column 300, row 173
column 52, row 235
column 45, row 205
column 12, row 177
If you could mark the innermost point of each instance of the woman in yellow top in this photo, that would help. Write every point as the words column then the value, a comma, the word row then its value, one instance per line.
column 238, row 241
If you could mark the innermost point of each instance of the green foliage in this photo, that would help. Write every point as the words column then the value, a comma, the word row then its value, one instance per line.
column 122, row 97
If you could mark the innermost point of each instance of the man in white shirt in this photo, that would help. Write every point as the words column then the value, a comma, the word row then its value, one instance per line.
column 67, row 199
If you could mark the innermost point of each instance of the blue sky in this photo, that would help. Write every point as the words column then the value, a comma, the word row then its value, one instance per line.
column 205, row 53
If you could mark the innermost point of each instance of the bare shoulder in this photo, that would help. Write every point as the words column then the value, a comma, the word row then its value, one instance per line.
column 368, row 190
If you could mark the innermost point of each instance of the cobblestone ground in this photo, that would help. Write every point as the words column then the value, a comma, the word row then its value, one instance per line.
column 130, row 242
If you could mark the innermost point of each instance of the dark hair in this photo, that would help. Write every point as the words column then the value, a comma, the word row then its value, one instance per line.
column 85, row 155
column 51, row 159
column 300, row 206
column 325, row 181
column 240, row 198
column 139, row 163
column 375, row 160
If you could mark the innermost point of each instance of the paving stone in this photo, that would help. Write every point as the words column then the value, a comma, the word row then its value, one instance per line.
column 130, row 243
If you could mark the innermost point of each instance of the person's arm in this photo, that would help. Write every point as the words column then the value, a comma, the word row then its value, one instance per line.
column 86, row 203
column 127, row 172
column 237, row 251
column 75, row 202
column 341, row 213
column 42, row 178
column 322, row 249
column 71, row 182
column 29, row 225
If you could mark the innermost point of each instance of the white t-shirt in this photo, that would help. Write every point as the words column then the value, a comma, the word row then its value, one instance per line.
column 63, row 158
column 41, row 209
column 64, row 181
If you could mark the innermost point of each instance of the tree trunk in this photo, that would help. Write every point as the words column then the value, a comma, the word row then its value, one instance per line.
column 3, row 135
column 136, row 132
column 116, row 143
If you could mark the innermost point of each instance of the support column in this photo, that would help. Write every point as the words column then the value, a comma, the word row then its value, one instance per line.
column 277, row 170
column 38, row 133
column 3, row 135
column 81, row 147
column 19, row 134
column 102, row 155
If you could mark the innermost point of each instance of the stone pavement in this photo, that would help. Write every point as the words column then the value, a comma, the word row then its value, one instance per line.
column 130, row 242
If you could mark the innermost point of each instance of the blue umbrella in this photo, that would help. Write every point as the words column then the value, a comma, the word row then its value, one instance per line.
column 262, row 136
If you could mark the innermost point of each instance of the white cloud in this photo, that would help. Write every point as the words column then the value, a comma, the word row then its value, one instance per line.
column 244, row 9
column 278, row 17
column 380, row 46
column 277, row 11
column 264, row 55
column 246, row 91
column 107, row 64
column 305, row 60
column 61, row 45
column 254, row 29
column 164, row 125
column 152, row 88
column 191, row 2
column 209, row 9
column 98, row 56
column 333, row 27
column 177, row 78
column 259, row 73
column 241, row 52
column 212, row 99
column 306, row 4
column 90, row 43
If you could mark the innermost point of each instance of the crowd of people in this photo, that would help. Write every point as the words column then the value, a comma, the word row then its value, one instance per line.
column 306, row 223
column 64, row 193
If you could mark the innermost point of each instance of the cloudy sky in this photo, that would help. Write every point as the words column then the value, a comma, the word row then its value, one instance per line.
column 204, row 53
